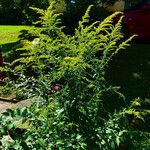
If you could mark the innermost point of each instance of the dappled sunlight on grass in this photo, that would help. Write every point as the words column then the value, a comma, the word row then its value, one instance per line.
column 10, row 34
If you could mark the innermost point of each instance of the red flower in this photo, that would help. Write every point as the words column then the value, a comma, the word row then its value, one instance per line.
column 56, row 87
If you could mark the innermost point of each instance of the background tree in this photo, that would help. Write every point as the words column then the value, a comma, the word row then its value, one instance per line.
column 76, row 8
column 19, row 12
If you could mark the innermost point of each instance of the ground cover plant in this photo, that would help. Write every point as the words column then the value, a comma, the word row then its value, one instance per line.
column 73, row 107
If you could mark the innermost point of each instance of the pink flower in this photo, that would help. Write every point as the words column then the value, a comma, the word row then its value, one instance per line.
column 56, row 87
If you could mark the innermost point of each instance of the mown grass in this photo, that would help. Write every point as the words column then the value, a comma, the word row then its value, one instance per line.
column 10, row 34
column 9, row 40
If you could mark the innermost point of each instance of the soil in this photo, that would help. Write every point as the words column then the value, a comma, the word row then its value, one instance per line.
column 11, row 105
column 5, row 105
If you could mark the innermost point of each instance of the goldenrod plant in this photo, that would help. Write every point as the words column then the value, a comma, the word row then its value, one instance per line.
column 74, row 106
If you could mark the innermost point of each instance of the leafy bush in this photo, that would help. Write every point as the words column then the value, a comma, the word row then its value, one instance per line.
column 73, row 106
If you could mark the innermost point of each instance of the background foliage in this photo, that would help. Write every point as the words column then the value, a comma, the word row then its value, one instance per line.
column 19, row 12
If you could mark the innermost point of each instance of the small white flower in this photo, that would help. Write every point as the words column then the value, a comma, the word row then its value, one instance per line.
column 35, row 42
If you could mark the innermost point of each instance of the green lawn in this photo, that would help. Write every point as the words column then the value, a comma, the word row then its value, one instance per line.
column 9, row 34
column 9, row 40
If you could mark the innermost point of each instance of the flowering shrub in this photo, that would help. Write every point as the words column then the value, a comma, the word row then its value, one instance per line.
column 73, row 103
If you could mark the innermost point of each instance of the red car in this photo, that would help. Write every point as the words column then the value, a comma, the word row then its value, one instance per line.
column 137, row 21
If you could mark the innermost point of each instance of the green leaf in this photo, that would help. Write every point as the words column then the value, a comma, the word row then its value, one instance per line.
column 118, row 140
column 10, row 126
column 78, row 137
column 42, row 143
column 23, row 111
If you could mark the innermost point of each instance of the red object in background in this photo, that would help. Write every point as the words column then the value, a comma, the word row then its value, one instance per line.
column 137, row 21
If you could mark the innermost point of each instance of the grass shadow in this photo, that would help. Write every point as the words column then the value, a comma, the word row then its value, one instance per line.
column 9, row 49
